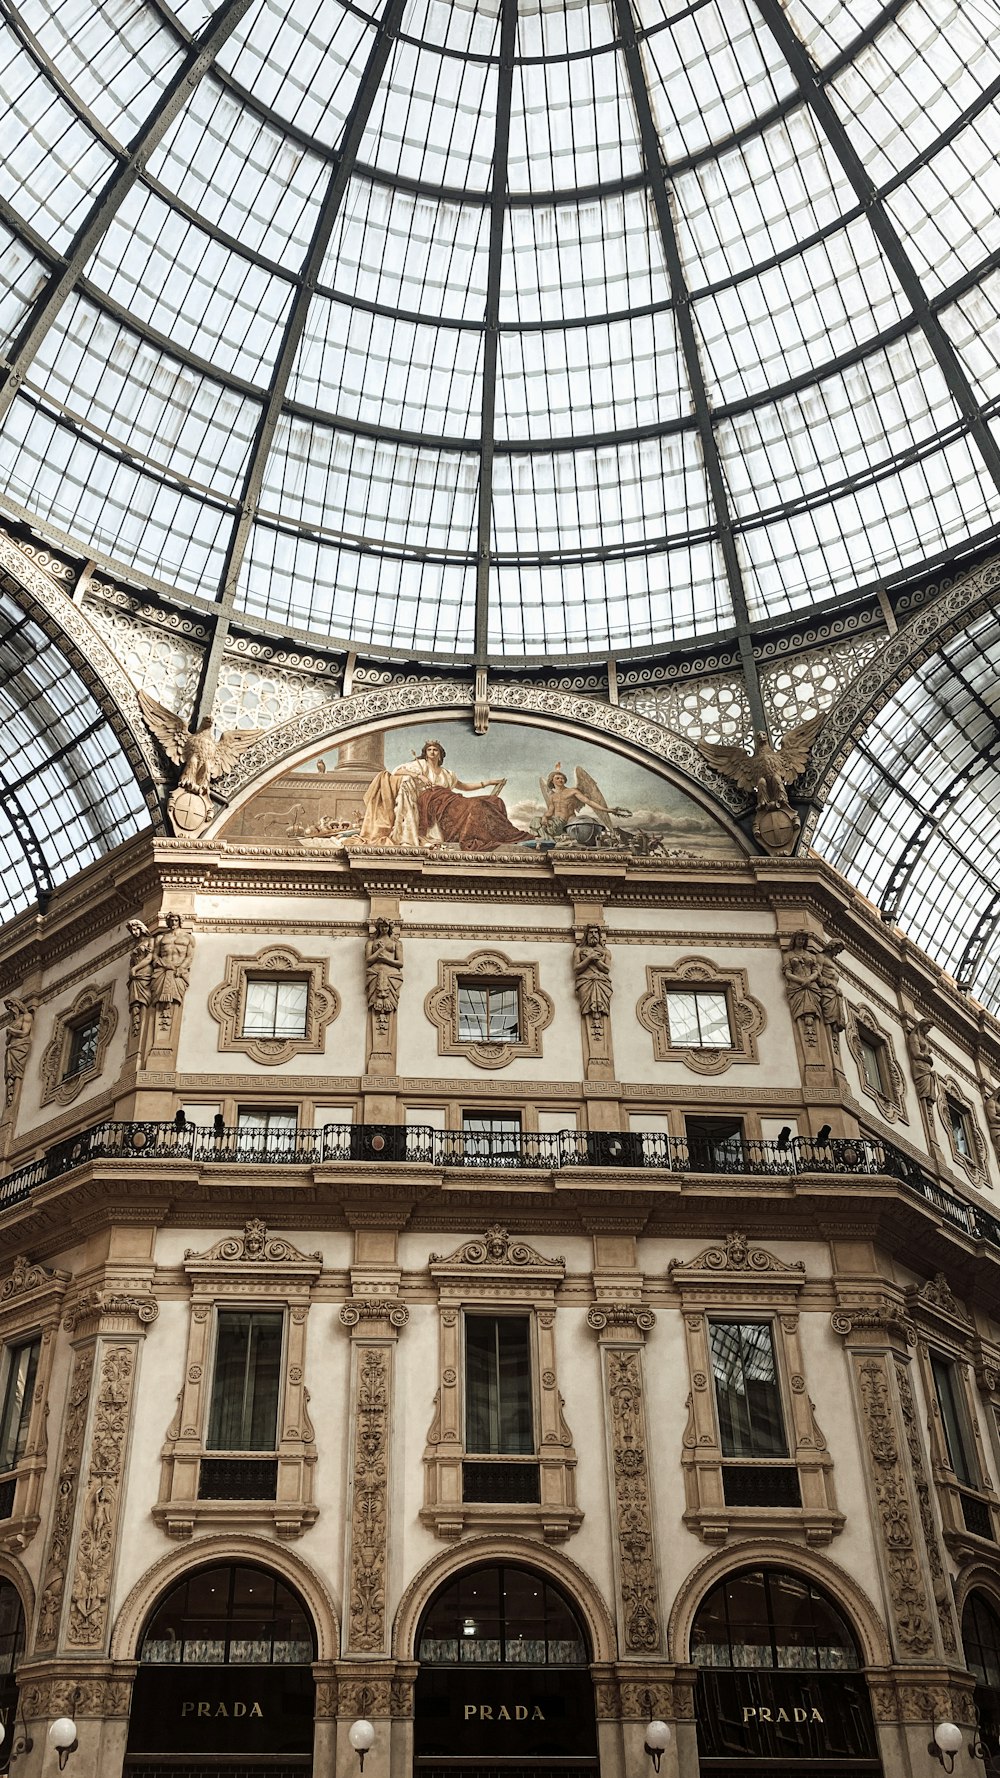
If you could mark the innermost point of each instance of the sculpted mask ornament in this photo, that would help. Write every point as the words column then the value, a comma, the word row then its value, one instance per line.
column 201, row 758
column 19, row 1019
column 765, row 772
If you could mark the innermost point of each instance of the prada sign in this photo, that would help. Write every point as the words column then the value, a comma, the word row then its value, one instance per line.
column 773, row 1715
column 234, row 1710
column 490, row 1712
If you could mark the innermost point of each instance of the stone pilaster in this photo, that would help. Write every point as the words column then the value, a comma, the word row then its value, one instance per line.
column 375, row 1323
column 621, row 1328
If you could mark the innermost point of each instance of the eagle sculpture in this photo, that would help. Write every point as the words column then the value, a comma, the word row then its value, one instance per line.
column 767, row 769
column 200, row 756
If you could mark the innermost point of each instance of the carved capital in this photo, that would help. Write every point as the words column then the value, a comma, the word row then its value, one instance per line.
column 620, row 1315
column 374, row 1309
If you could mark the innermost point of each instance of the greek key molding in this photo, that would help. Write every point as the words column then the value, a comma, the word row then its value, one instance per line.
column 746, row 1015
column 227, row 1005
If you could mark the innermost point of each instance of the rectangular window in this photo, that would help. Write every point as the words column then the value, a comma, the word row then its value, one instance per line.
column 715, row 1144
column 488, row 1014
column 872, row 1062
column 275, row 1007
column 19, row 1384
column 83, row 1039
column 491, row 1138
column 746, row 1389
column 698, row 1018
column 953, row 1421
column 244, row 1410
column 266, row 1132
column 498, row 1416
column 961, row 1128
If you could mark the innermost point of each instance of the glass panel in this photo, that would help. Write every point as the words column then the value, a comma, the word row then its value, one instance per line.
column 487, row 1014
column 238, row 1615
column 767, row 1618
column 746, row 1389
column 498, row 1417
column 22, row 1363
column 244, row 1412
column 959, row 1120
column 699, row 1018
column 83, row 1047
column 275, row 1008
column 871, row 1062
column 492, row 1615
column 953, row 1420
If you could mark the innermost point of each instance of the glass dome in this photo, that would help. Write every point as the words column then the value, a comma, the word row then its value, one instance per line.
column 523, row 330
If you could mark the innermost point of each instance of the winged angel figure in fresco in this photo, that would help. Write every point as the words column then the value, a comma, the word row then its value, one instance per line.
column 565, row 802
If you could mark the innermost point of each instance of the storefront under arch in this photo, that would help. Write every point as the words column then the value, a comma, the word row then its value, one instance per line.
column 11, row 1649
column 504, row 1682
column 225, row 1675
column 780, row 1685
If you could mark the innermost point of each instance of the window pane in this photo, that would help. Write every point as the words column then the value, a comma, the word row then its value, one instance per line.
column 487, row 1014
column 83, row 1047
column 713, row 1020
column 746, row 1389
column 275, row 1008
column 871, row 1063
column 953, row 1420
column 258, row 1019
column 498, row 1385
column 959, row 1129
column 682, row 1012
column 472, row 1015
column 698, row 1018
column 21, row 1368
column 245, row 1393
column 290, row 1018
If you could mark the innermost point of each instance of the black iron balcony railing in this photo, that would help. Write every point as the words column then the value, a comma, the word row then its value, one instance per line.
column 418, row 1144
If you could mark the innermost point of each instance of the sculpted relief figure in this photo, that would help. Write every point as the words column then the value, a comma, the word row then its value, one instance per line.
column 991, row 1106
column 800, row 966
column 200, row 757
column 383, row 971
column 766, row 772
column 19, row 1019
column 170, row 970
column 423, row 804
column 140, row 972
column 922, row 1063
column 592, row 970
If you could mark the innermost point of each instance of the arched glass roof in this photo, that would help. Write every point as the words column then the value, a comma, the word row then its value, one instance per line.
column 517, row 329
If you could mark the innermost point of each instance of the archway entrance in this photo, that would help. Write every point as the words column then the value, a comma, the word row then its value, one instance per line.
column 981, row 1642
column 504, row 1681
column 225, row 1680
column 11, row 1650
column 779, row 1682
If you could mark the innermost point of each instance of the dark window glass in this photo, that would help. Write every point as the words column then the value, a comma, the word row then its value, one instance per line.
column 715, row 1144
column 22, row 1363
column 498, row 1416
column 275, row 1007
column 11, row 1629
column 981, row 1639
column 872, row 1064
column 488, row 1014
column 768, row 1618
column 495, row 1616
column 244, row 1413
column 82, row 1052
column 953, row 1421
column 229, row 1616
column 746, row 1389
column 698, row 1018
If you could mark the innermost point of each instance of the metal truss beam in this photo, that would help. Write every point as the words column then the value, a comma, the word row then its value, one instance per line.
column 386, row 34
column 23, row 828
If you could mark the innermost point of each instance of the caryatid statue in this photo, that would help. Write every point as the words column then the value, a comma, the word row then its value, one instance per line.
column 140, row 972
column 592, row 970
column 922, row 1063
column 383, row 972
column 170, row 969
column 19, row 1019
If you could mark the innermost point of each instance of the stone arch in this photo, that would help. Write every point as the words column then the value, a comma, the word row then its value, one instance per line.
column 205, row 1552
column 519, row 1551
column 976, row 1577
column 14, row 1571
column 769, row 1553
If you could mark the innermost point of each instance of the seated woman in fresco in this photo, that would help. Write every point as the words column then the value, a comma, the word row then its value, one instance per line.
column 418, row 804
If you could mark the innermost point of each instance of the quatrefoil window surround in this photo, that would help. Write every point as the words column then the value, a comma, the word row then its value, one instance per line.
column 228, row 1005
column 489, row 969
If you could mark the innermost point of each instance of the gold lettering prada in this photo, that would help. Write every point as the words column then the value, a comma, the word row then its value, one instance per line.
column 206, row 1707
column 516, row 1713
column 799, row 1713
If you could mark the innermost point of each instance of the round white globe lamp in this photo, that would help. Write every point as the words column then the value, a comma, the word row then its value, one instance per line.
column 657, row 1741
column 62, row 1736
column 361, row 1735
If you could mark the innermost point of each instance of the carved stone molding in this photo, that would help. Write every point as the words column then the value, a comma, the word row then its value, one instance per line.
column 56, row 1085
column 877, row 1319
column 747, row 1017
column 31, row 1299
column 254, row 1247
column 25, row 1279
column 497, row 1248
column 374, row 1309
column 74, row 1694
column 111, row 1312
column 100, row 1509
column 618, row 1316
column 632, row 1504
column 893, row 1509
column 736, row 1255
column 227, row 1005
column 369, row 1524
column 535, row 1008
column 56, row 1572
column 940, row 1583
column 935, row 1305
column 890, row 1095
column 975, row 1164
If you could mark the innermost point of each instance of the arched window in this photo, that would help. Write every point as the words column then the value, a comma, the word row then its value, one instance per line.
column 981, row 1641
column 495, row 1616
column 11, row 1650
column 230, row 1616
column 778, row 1678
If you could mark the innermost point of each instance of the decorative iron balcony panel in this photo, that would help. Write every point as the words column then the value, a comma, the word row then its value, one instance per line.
column 977, row 1516
column 761, row 1484
column 238, row 1478
column 512, row 1483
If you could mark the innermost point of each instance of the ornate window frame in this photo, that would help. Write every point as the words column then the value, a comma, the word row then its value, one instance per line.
column 56, row 1085
column 31, row 1302
column 892, row 1101
column 975, row 1166
column 747, row 1017
column 536, row 1009
column 501, row 1273
column 254, row 1270
column 737, row 1281
column 227, row 1005
column 945, row 1327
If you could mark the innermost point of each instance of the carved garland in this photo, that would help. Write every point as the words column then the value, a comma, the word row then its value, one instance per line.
column 55, row 1057
column 633, row 1508
column 535, row 1009
column 88, row 1606
column 943, row 1596
column 60, row 1538
column 369, row 1517
column 891, row 1097
column 894, row 1517
column 746, row 1015
column 227, row 1005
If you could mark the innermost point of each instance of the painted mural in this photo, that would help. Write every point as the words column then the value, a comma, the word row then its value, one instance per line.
column 437, row 787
